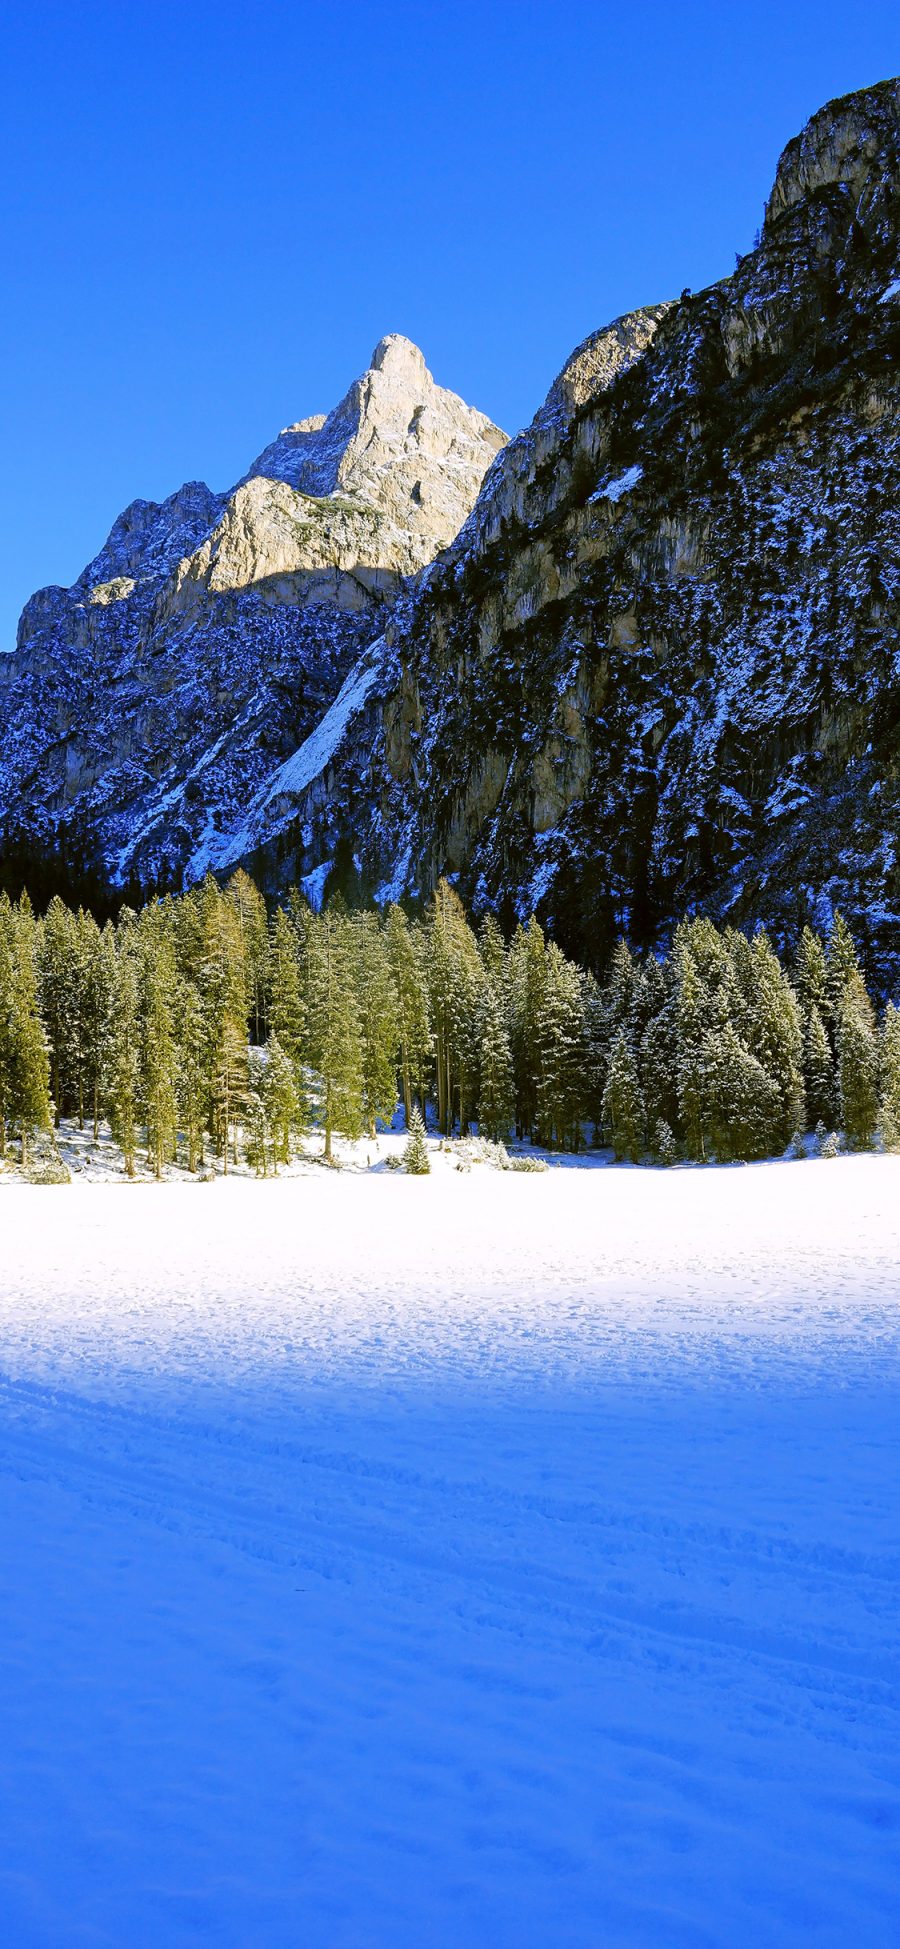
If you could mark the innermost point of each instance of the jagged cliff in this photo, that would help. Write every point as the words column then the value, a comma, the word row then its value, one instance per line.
column 143, row 705
column 658, row 666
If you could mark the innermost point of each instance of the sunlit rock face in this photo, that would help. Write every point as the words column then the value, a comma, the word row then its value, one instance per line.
column 659, row 667
column 653, row 665
column 143, row 706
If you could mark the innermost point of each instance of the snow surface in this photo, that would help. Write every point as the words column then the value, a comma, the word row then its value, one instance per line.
column 465, row 1560
column 893, row 291
column 613, row 490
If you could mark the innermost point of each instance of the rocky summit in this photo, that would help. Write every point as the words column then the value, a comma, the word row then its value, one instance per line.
column 652, row 665
column 142, row 708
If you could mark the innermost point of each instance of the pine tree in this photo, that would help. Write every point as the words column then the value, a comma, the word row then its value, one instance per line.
column 376, row 1001
column 889, row 1114
column 559, row 1053
column 666, row 1148
column 259, row 1132
column 415, row 1155
column 123, row 1097
column 406, row 961
column 623, row 1110
column 249, row 909
column 811, row 978
column 157, row 1071
column 526, row 983
column 818, row 1069
column 192, row 1075
column 857, row 1065
column 29, row 1073
column 286, row 1002
column 843, row 967
column 495, row 1094
column 280, row 1099
column 334, row 1026
column 456, row 979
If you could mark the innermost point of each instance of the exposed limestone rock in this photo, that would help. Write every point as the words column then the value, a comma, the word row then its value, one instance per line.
column 143, row 706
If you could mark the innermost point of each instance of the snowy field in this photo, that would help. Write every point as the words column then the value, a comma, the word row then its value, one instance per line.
column 476, row 1560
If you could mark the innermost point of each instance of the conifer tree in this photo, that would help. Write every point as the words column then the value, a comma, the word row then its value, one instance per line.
column 559, row 1052
column 415, row 1155
column 857, row 1065
column 378, row 1021
column 280, row 1099
column 811, row 978
column 249, row 909
column 406, row 962
column 843, row 969
column 456, row 978
column 157, row 1059
column 526, row 980
column 495, row 1093
column 889, row 1114
column 29, row 1074
column 334, row 1027
column 623, row 1110
column 818, row 1068
column 125, row 1069
column 192, row 1075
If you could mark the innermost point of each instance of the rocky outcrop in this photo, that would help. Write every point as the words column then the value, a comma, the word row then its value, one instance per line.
column 655, row 665
column 659, row 668
column 143, row 706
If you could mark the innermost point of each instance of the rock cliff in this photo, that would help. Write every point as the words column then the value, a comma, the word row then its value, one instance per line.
column 142, row 706
column 654, row 665
column 659, row 668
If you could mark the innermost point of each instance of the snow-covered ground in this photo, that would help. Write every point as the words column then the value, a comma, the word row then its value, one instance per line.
column 477, row 1559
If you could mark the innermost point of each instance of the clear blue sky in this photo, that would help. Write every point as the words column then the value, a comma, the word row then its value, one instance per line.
column 211, row 213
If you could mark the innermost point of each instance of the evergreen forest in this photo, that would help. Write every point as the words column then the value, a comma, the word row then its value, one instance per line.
column 207, row 1029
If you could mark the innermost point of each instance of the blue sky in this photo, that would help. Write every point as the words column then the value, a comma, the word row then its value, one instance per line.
column 210, row 214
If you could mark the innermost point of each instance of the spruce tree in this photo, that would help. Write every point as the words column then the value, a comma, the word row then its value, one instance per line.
column 280, row 1099
column 559, row 1053
column 334, row 1027
column 818, row 1069
column 407, row 964
column 415, row 1154
column 376, row 1001
column 623, row 1110
column 495, row 1093
column 857, row 1065
column 889, row 1113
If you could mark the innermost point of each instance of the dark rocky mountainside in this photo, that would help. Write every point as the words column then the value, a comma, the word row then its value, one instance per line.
column 657, row 668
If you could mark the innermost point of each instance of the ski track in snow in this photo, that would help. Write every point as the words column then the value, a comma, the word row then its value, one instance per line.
column 475, row 1560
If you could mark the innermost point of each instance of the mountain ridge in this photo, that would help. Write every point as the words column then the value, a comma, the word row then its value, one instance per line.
column 655, row 667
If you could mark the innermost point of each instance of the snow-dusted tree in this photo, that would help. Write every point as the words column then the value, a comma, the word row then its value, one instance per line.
column 415, row 1154
column 123, row 1096
column 335, row 1038
column 406, row 957
column 249, row 909
column 889, row 1114
column 193, row 1077
column 810, row 978
column 286, row 1003
column 376, row 1000
column 157, row 1069
column 623, row 1109
column 456, row 979
column 280, row 1099
column 857, row 1064
column 843, row 969
column 495, row 1095
column 818, row 1069
column 559, row 1052
column 526, row 979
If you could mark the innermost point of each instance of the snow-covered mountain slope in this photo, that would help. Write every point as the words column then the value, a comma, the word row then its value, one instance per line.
column 143, row 707
column 657, row 667
column 660, row 664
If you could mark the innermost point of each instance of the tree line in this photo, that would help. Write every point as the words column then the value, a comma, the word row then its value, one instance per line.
column 207, row 1027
